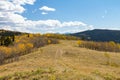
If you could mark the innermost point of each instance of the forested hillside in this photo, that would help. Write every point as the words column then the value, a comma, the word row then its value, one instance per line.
column 99, row 35
column 9, row 33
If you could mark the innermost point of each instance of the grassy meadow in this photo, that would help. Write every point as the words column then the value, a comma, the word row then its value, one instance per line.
column 63, row 61
column 59, row 39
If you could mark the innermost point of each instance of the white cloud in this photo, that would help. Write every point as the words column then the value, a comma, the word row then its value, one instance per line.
column 11, row 19
column 45, row 8
column 74, row 23
column 90, row 27
column 6, row 28
column 6, row 6
column 45, row 26
column 23, row 2
column 43, row 13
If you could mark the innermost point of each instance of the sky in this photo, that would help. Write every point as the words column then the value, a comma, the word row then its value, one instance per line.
column 59, row 16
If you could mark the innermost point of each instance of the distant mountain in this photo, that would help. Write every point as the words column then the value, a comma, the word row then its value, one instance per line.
column 99, row 35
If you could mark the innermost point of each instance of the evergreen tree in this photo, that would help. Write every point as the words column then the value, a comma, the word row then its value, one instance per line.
column 7, row 41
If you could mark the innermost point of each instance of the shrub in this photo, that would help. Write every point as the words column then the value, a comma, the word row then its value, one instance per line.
column 100, row 46
column 2, row 57
column 79, row 42
column 22, row 45
column 61, row 36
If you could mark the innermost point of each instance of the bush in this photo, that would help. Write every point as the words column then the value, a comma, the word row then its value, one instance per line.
column 2, row 57
column 23, row 45
column 100, row 46
column 61, row 36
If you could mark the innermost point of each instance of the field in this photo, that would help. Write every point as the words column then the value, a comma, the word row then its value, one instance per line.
column 63, row 61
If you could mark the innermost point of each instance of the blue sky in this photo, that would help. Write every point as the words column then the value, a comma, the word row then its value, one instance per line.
column 63, row 15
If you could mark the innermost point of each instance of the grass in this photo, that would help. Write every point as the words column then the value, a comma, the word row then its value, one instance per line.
column 64, row 61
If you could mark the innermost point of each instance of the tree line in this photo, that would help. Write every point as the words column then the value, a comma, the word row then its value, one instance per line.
column 110, row 46
column 14, row 46
column 6, row 40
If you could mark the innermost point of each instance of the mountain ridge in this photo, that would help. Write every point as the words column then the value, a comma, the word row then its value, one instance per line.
column 102, row 35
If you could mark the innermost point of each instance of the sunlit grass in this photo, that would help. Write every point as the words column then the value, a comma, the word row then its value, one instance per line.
column 64, row 61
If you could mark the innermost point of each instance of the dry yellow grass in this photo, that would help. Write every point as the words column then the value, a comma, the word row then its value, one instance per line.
column 69, row 61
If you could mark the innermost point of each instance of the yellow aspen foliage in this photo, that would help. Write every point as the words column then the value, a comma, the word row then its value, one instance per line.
column 17, row 40
column 24, row 44
column 21, row 47
column 64, row 38
column 49, row 41
column 47, row 35
column 24, row 41
column 15, row 50
column 2, row 49
column 5, row 50
column 31, row 35
column 29, row 45
column 118, row 45
column 112, row 43
column 79, row 42
column 8, row 51
column 38, row 34
column 101, row 46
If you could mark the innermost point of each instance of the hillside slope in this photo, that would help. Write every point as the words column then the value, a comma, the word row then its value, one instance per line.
column 9, row 33
column 64, row 61
column 100, row 35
